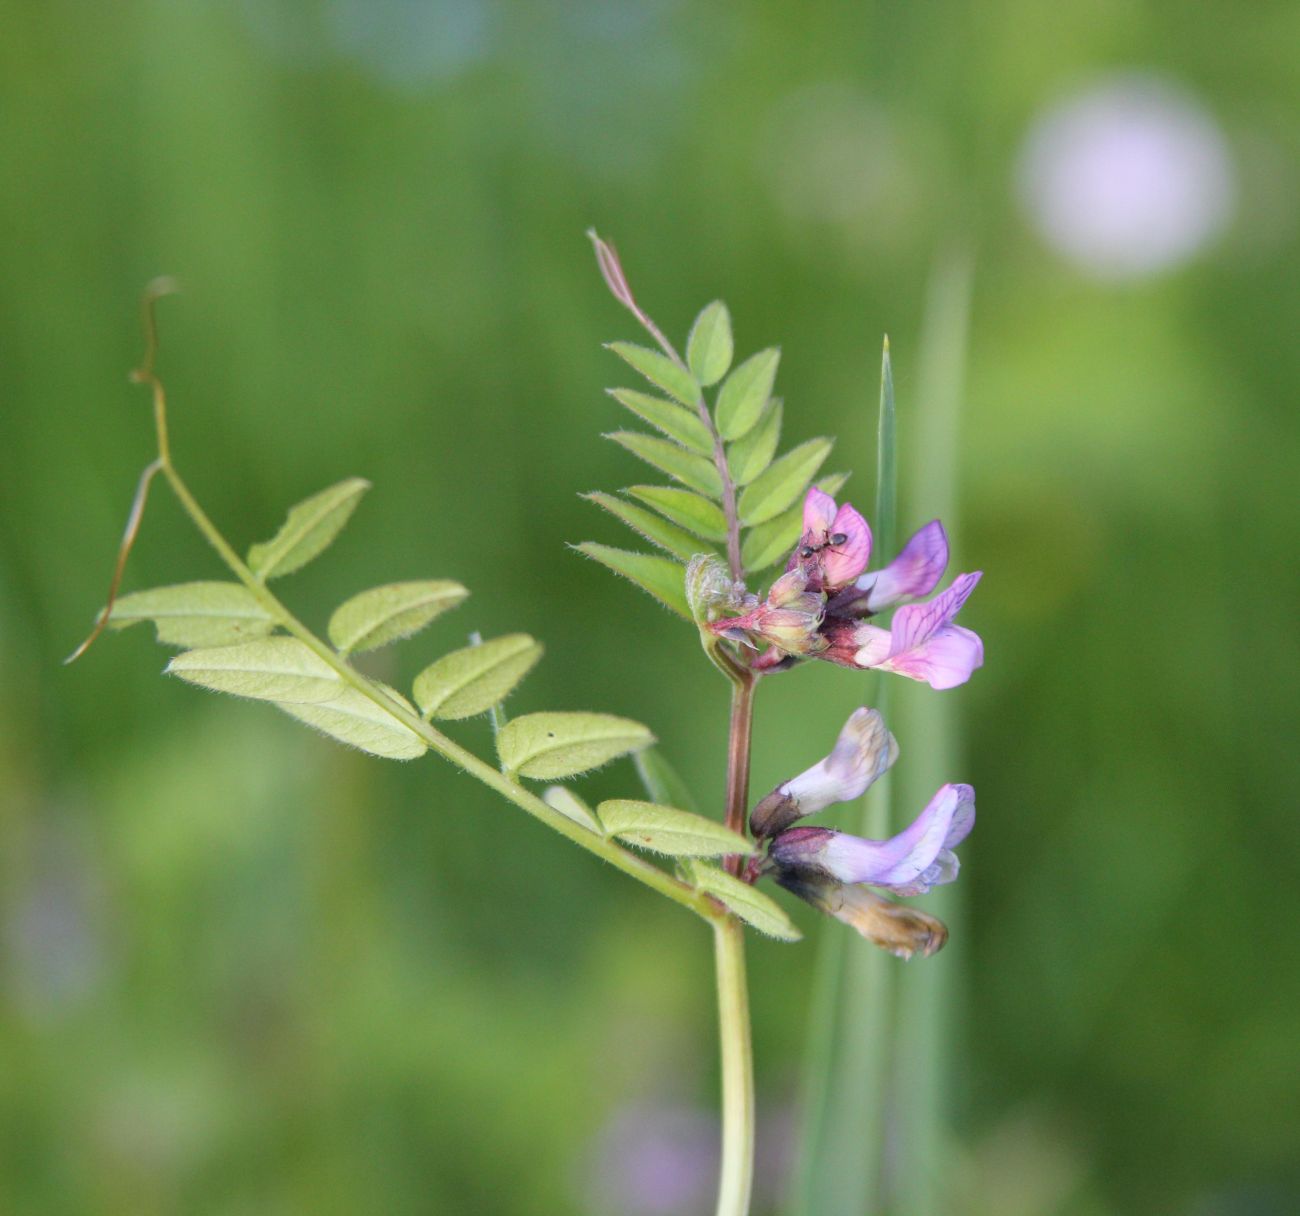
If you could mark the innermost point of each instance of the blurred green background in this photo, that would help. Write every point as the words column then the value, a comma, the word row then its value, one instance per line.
column 244, row 970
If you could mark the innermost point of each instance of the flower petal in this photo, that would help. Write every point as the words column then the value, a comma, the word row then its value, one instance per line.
column 842, row 562
column 818, row 511
column 923, row 645
column 944, row 661
column 863, row 751
column 914, row 572
column 915, row 624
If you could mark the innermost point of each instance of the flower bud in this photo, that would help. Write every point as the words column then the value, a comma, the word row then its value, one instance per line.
column 712, row 593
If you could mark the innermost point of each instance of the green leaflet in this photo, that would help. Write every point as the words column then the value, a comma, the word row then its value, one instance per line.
column 748, row 457
column 667, row 416
column 471, row 681
column 384, row 614
column 783, row 483
column 661, row 577
column 692, row 511
column 272, row 669
column 659, row 370
column 662, row 782
column 308, row 530
column 554, row 745
column 688, row 468
column 751, row 905
column 665, row 829
column 709, row 347
column 195, row 614
column 772, row 541
column 745, row 392
column 658, row 531
column 558, row 798
column 353, row 718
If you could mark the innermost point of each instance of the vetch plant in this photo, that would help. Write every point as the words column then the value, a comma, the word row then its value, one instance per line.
column 731, row 509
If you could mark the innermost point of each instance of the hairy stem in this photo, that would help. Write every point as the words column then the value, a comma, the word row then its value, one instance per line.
column 736, row 1179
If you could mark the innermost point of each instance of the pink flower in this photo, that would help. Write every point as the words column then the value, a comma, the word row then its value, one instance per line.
column 836, row 543
column 817, row 609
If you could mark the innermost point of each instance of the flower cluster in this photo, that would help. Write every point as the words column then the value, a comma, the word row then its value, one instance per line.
column 820, row 607
column 828, row 868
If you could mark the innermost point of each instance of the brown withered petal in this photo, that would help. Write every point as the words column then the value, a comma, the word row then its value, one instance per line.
column 905, row 932
column 773, row 814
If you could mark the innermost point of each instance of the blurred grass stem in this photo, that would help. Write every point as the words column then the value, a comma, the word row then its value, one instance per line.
column 929, row 1013
column 846, row 1074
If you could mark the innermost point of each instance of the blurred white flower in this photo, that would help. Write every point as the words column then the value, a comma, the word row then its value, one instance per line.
column 1129, row 178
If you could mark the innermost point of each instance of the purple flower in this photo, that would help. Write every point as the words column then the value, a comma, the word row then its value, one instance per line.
column 863, row 751
column 916, row 571
column 918, row 858
column 922, row 643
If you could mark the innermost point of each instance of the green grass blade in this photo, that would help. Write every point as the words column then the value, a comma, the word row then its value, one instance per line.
column 930, row 995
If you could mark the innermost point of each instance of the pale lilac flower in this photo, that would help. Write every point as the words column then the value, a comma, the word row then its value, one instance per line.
column 836, row 543
column 916, row 571
column 1130, row 177
column 921, row 643
column 918, row 858
column 864, row 750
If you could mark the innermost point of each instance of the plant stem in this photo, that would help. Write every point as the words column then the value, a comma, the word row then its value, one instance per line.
column 737, row 1170
column 738, row 742
column 737, row 1174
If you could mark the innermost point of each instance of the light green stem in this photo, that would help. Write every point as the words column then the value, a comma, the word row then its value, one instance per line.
column 737, row 1176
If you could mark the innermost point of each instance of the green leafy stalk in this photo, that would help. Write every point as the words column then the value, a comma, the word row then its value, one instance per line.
column 929, row 1013
column 302, row 523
